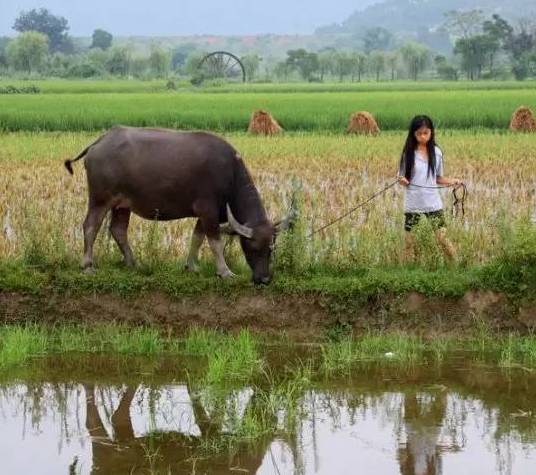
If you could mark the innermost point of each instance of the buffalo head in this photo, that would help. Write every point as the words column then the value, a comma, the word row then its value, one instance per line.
column 257, row 243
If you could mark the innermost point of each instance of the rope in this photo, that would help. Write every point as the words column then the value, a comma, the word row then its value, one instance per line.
column 459, row 201
column 355, row 208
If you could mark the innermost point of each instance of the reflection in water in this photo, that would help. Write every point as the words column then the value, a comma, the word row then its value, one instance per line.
column 89, row 428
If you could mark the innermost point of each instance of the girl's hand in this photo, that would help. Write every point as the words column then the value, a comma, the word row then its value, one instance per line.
column 403, row 180
column 456, row 182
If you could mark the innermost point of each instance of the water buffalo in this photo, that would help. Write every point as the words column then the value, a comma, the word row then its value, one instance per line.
column 162, row 174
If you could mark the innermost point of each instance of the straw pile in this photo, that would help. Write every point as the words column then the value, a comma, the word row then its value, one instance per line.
column 262, row 122
column 363, row 123
column 523, row 120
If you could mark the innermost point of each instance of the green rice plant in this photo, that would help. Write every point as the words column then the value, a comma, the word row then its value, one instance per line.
column 339, row 356
column 202, row 341
column 141, row 340
column 291, row 246
column 237, row 359
column 18, row 343
column 296, row 111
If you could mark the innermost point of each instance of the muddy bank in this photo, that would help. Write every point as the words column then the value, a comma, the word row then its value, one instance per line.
column 304, row 316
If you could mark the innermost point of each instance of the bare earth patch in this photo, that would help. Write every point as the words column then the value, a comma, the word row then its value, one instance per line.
column 305, row 317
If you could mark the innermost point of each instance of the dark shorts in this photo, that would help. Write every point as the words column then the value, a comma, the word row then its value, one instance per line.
column 436, row 218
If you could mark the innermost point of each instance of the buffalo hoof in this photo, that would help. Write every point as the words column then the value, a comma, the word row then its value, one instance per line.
column 226, row 275
column 192, row 267
column 263, row 281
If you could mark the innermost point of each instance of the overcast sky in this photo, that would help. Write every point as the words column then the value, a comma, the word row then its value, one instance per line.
column 186, row 17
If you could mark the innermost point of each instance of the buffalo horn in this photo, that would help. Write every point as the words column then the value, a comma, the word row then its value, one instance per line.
column 241, row 229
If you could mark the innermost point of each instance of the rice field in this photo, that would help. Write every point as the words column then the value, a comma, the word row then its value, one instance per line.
column 42, row 207
column 230, row 112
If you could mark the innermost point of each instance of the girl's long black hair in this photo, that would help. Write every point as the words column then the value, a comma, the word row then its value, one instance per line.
column 407, row 160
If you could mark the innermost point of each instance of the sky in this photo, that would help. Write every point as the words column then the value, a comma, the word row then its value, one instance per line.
column 187, row 17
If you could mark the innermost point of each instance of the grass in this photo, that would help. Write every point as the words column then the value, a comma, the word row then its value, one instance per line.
column 234, row 358
column 92, row 86
column 296, row 111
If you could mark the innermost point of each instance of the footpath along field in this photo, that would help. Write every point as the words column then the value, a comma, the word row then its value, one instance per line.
column 359, row 259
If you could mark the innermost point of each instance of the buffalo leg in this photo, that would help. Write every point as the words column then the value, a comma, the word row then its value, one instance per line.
column 217, row 245
column 198, row 236
column 92, row 224
column 208, row 216
column 118, row 229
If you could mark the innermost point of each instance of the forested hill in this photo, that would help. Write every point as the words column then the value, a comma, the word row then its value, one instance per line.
column 412, row 16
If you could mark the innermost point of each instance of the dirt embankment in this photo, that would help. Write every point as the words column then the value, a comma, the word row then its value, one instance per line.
column 301, row 316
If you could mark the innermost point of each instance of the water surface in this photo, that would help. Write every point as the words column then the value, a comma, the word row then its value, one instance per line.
column 99, row 415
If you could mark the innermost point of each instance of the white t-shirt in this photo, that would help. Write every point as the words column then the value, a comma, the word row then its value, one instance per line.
column 423, row 200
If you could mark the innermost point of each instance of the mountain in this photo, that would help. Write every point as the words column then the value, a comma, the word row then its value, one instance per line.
column 414, row 17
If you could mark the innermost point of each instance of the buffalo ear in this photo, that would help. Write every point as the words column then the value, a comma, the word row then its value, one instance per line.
column 287, row 222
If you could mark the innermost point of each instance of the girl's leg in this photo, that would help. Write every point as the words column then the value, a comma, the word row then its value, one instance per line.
column 444, row 243
column 409, row 247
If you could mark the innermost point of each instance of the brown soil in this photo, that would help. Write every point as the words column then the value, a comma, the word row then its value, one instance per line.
column 363, row 122
column 305, row 317
column 262, row 122
column 523, row 120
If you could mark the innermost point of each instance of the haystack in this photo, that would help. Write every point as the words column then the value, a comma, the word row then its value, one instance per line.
column 523, row 120
column 363, row 123
column 262, row 122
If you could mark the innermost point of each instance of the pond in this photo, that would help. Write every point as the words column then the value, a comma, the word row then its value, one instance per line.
column 96, row 414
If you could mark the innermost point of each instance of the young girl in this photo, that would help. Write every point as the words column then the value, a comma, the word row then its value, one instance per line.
column 421, row 171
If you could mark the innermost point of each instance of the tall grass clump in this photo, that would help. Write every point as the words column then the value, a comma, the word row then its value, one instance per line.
column 18, row 343
column 518, row 350
column 202, row 341
column 291, row 246
column 236, row 359
column 514, row 269
column 341, row 356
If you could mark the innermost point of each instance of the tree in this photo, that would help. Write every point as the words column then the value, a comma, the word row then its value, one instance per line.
column 101, row 39
column 377, row 39
column 325, row 62
column 4, row 41
column 28, row 51
column 359, row 64
column 376, row 62
column 474, row 52
column 159, row 61
column 118, row 61
column 282, row 70
column 54, row 27
column 444, row 69
column 342, row 64
column 499, row 29
column 251, row 64
column 415, row 57
column 392, row 61
column 463, row 23
column 306, row 63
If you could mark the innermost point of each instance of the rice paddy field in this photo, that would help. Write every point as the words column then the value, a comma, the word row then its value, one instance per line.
column 131, row 371
column 94, row 105
column 42, row 207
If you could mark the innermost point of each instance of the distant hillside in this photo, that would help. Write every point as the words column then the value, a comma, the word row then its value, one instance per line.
column 413, row 16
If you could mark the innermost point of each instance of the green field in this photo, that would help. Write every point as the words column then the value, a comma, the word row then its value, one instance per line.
column 96, row 105
column 58, row 86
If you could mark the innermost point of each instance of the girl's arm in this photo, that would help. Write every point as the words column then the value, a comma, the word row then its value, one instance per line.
column 443, row 180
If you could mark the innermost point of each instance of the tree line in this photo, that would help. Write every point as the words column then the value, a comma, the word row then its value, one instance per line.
column 483, row 48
